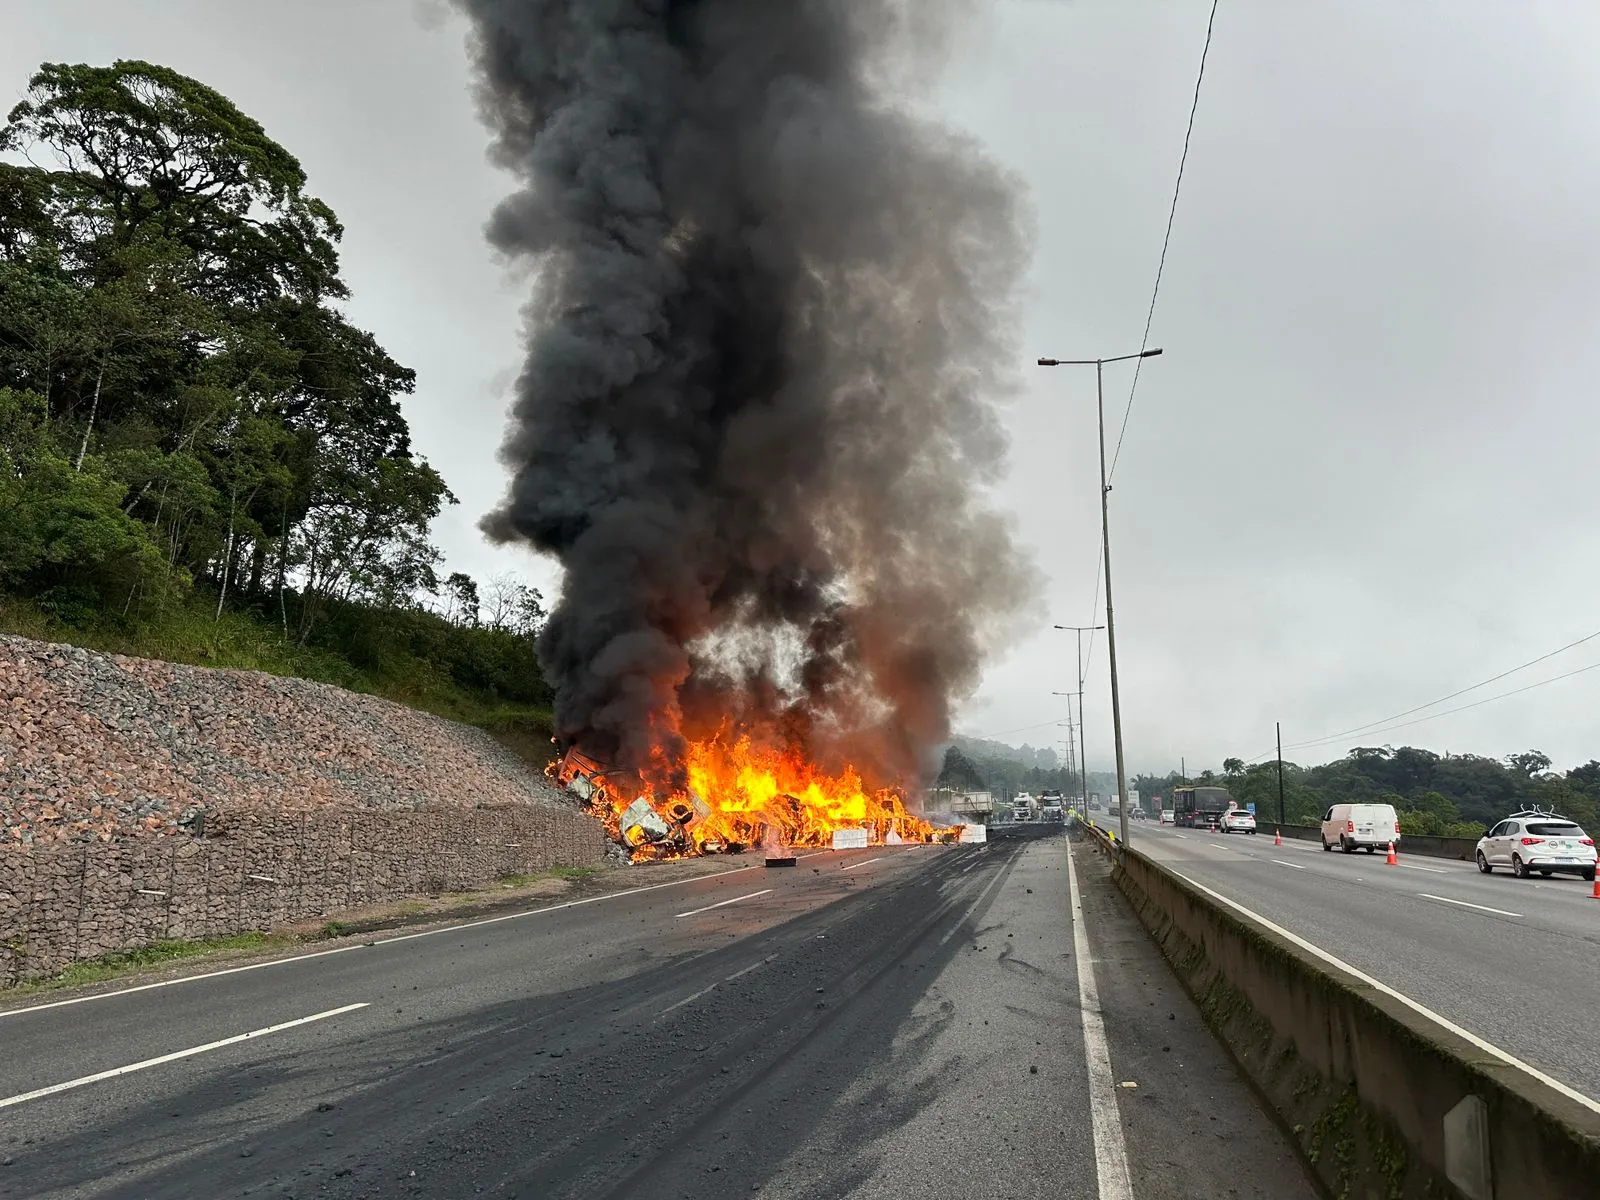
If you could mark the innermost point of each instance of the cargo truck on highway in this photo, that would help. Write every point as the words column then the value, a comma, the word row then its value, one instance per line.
column 1200, row 807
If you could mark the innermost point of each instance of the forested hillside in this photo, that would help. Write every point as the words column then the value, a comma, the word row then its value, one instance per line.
column 973, row 764
column 201, row 457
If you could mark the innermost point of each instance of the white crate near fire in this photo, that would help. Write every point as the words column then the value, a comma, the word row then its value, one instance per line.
column 849, row 839
column 974, row 833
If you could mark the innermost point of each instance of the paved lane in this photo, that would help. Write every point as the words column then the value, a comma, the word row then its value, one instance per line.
column 1516, row 962
column 871, row 1023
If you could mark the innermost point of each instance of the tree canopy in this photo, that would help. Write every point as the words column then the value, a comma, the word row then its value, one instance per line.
column 1454, row 795
column 184, row 406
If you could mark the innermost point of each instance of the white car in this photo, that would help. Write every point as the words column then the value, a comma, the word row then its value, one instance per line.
column 1537, row 841
column 1168, row 817
column 1238, row 820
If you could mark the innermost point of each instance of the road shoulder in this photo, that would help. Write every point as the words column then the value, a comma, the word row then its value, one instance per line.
column 1193, row 1125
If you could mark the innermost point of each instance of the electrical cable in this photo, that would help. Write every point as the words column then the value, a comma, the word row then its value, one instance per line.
column 1464, row 707
column 1161, row 266
column 1371, row 726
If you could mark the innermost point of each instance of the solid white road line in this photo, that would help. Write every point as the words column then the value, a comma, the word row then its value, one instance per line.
column 1110, row 1150
column 1184, row 836
column 1281, row 863
column 1487, row 1047
column 1468, row 904
column 693, row 996
column 694, row 912
column 864, row 863
column 379, row 942
column 747, row 970
column 1431, row 870
column 8, row 1101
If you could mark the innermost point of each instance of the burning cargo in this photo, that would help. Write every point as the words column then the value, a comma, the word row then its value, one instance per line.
column 740, row 796
column 756, row 412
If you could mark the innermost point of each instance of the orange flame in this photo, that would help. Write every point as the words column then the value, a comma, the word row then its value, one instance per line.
column 740, row 795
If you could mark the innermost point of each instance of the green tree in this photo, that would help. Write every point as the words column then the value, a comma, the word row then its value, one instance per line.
column 165, row 280
column 62, row 527
column 144, row 152
column 188, row 424
column 1530, row 764
column 461, row 596
column 959, row 774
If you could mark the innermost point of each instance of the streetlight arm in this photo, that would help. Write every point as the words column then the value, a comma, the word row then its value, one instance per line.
column 1095, row 362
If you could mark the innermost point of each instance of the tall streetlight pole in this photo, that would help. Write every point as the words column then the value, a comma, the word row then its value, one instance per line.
column 1083, row 795
column 1083, row 755
column 1071, row 746
column 1105, row 543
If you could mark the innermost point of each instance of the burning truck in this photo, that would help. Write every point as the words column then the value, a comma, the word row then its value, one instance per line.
column 740, row 795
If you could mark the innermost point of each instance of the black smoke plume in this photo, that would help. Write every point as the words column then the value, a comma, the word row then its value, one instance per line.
column 768, row 326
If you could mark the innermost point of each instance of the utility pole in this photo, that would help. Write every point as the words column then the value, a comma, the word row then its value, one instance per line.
column 1071, row 749
column 1083, row 754
column 1111, row 620
column 1279, row 725
column 1105, row 544
column 1072, row 766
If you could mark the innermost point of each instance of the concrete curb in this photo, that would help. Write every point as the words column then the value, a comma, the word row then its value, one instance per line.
column 1426, row 844
column 1383, row 1101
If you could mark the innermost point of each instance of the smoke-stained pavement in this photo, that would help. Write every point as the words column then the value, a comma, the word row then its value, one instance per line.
column 823, row 1034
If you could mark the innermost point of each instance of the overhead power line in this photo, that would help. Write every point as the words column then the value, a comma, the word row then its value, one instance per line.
column 1532, row 662
column 1094, row 607
column 1371, row 727
column 1166, row 240
column 1464, row 707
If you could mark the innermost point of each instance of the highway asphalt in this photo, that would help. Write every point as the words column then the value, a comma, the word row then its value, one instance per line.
column 1516, row 962
column 880, row 1023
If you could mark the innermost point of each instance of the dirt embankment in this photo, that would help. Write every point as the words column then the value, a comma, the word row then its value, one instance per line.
column 98, row 746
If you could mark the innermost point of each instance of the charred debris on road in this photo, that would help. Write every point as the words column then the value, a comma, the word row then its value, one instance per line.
column 742, row 797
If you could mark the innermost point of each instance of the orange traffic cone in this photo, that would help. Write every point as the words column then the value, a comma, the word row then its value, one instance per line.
column 1394, row 859
column 1596, row 895
column 1277, row 837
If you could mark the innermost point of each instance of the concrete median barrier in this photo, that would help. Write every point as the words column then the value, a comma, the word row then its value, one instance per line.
column 1385, row 1099
column 1427, row 845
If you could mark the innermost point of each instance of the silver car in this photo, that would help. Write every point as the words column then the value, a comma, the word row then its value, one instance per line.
column 1238, row 820
column 1548, row 843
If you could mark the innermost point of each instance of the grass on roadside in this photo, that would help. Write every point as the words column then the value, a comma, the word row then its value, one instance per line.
column 193, row 634
column 570, row 874
column 109, row 966
column 125, row 962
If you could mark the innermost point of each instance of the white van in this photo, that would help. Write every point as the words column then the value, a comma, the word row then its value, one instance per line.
column 1366, row 827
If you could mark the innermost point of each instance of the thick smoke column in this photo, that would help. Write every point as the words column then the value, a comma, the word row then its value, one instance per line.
column 755, row 417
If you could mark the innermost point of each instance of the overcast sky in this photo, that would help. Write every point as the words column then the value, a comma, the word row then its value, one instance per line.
column 1361, row 477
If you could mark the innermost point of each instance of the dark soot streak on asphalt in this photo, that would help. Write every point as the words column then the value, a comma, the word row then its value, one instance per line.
column 593, row 1092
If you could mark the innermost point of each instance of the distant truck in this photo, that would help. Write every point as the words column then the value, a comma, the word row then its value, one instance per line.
column 1200, row 807
column 1052, row 805
column 1022, row 807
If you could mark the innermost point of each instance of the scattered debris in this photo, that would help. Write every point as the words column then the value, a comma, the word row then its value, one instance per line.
column 742, row 797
